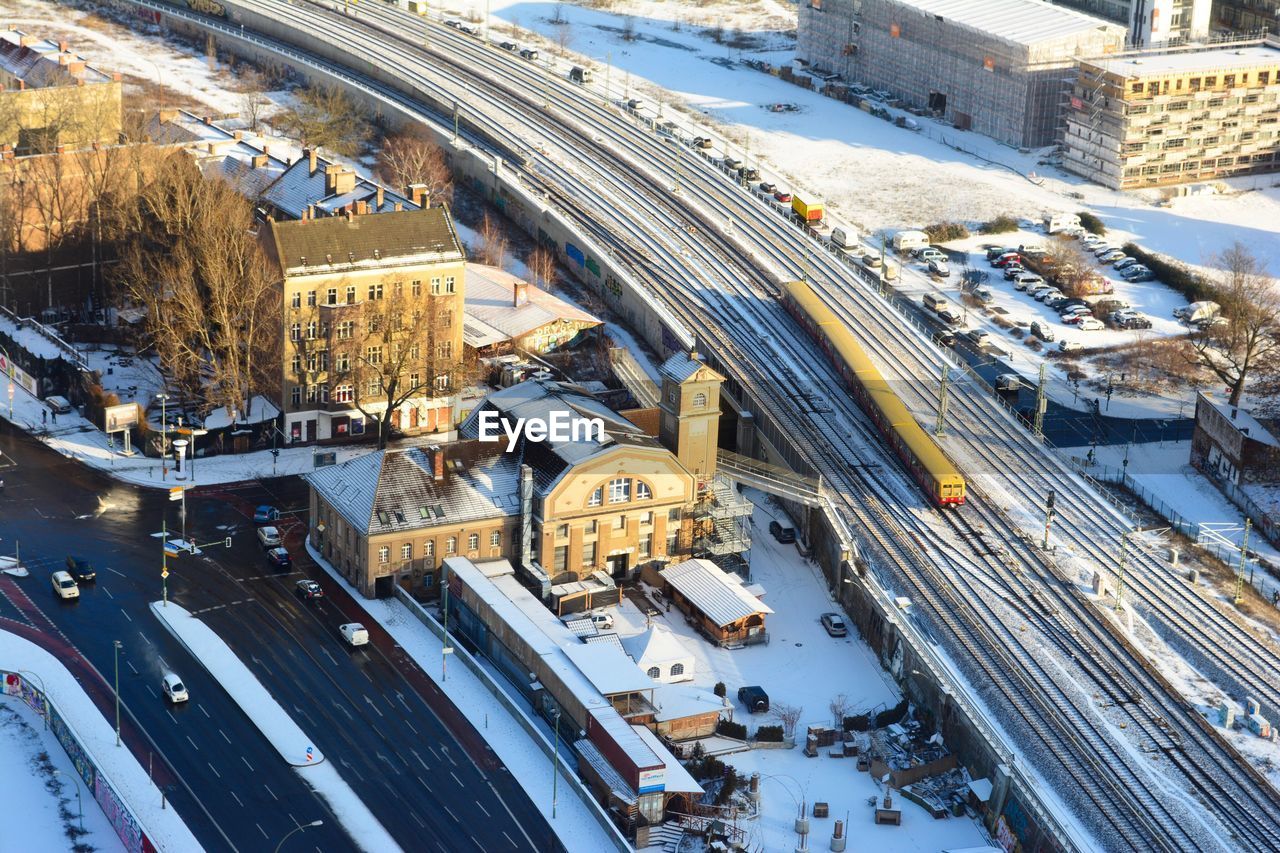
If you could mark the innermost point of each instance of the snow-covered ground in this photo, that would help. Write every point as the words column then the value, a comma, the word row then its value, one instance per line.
column 804, row 667
column 573, row 824
column 26, row 786
column 276, row 725
column 44, row 803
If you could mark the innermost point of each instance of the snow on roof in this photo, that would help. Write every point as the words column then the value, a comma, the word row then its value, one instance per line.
column 639, row 753
column 608, row 668
column 260, row 409
column 42, row 62
column 981, row 789
column 1230, row 58
column 1242, row 420
column 678, row 779
column 609, row 639
column 718, row 594
column 681, row 366
column 1024, row 22
column 655, row 646
column 677, row 701
column 491, row 299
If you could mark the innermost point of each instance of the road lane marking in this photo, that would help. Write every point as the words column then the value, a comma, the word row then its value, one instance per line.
column 451, row 814
column 263, row 831
column 149, row 690
column 483, row 809
column 203, row 711
column 162, row 663
column 373, row 706
column 132, row 667
column 171, row 716
column 224, row 735
column 414, row 815
column 410, row 725
column 214, row 769
column 517, row 823
column 420, row 761
column 144, row 636
column 271, row 792
column 121, row 574
column 126, row 615
column 193, row 743
column 445, row 750
column 456, row 779
column 247, row 764
column 478, row 845
column 510, row 840
column 329, row 656
column 108, row 592
column 237, row 799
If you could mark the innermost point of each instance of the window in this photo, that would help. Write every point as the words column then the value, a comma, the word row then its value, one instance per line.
column 647, row 518
column 590, row 526
column 343, row 394
column 473, row 542
column 673, row 544
column 619, row 490
column 435, row 284
column 416, row 287
column 346, row 329
column 589, row 554
column 351, row 294
column 373, row 355
column 445, row 350
column 448, row 284
column 374, row 387
column 297, row 364
column 311, row 299
column 342, row 362
column 429, row 548
column 384, row 554
column 397, row 289
column 312, row 327
column 597, row 497
column 415, row 379
column 296, row 301
column 643, row 493
column 312, row 361
column 646, row 546
column 295, row 332
column 620, row 523
column 671, row 394
column 406, row 551
column 699, row 400
column 375, row 291
column 495, row 539
column 562, row 531
column 415, row 352
column 653, row 672
column 295, row 396
column 674, row 515
column 451, row 545
column 442, row 382
column 1137, row 87
column 677, row 669
column 561, row 562
column 331, row 296
column 375, row 322
column 313, row 393
column 446, row 319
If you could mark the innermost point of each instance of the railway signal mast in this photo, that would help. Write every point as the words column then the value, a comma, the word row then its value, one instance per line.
column 1042, row 403
column 1048, row 518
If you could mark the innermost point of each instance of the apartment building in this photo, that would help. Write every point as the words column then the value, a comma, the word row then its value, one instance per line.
column 1248, row 16
column 51, row 99
column 372, row 311
column 1152, row 22
column 1154, row 118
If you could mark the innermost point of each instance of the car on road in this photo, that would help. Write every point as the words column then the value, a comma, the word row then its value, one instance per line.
column 947, row 339
column 308, row 590
column 529, row 53
column 782, row 196
column 767, row 187
column 978, row 337
column 173, row 688
column 754, row 697
column 269, row 537
column 1090, row 324
column 703, row 142
column 872, row 261
column 507, row 45
column 834, row 624
column 266, row 514
column 354, row 633
column 64, row 586
column 81, row 570
column 279, row 558
column 1070, row 346
column 783, row 533
column 939, row 268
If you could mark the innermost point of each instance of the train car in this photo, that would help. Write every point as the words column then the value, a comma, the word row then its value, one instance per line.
column 921, row 456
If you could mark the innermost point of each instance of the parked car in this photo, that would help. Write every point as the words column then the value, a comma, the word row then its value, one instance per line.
column 1006, row 259
column 507, row 45
column 1069, row 346
column 766, row 187
column 1026, row 279
column 782, row 196
column 1035, row 291
column 1139, row 276
column 1046, row 295
column 938, row 267
column 269, row 537
column 1092, row 240
column 924, row 253
column 1126, row 261
column 529, row 53
column 279, row 558
column 754, row 697
column 1138, row 322
column 1090, row 324
column 354, row 633
column 64, row 586
column 1113, row 255
column 994, row 252
column 1055, row 300
column 308, row 590
column 834, row 623
column 703, row 142
column 872, row 261
column 1043, row 331
column 984, row 295
column 266, row 514
column 174, row 690
column 783, row 533
column 1105, row 249
column 978, row 337
column 81, row 570
column 1077, row 319
column 1012, row 272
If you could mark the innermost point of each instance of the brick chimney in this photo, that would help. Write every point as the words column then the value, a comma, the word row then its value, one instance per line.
column 520, row 293
column 63, row 46
column 381, row 191
column 417, row 193
column 437, row 461
column 399, row 207
column 259, row 161
column 311, row 160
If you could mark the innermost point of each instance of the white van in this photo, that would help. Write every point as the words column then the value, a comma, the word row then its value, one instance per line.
column 1055, row 222
column 1008, row 382
column 844, row 239
column 64, row 586
column 1043, row 331
column 354, row 633
column 905, row 241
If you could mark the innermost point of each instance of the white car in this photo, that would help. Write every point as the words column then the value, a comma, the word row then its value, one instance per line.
column 354, row 633
column 174, row 690
column 939, row 268
column 1046, row 295
column 269, row 537
column 1070, row 346
column 1091, row 324
column 64, row 586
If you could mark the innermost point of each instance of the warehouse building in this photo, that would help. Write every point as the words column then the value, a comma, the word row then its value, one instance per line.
column 1148, row 118
column 998, row 67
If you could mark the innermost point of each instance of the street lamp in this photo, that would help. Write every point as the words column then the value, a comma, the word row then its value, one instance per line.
column 195, row 433
column 299, row 828
column 164, row 434
column 79, row 802
column 116, row 643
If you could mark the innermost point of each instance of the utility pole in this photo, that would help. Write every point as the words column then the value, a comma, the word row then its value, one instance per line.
column 1042, row 402
column 164, row 562
column 1048, row 518
column 1244, row 555
column 1124, row 559
column 675, row 151
column 546, row 84
column 940, row 429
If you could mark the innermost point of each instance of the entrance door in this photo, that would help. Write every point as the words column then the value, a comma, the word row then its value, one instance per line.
column 311, row 430
column 395, row 419
column 413, row 418
column 618, row 566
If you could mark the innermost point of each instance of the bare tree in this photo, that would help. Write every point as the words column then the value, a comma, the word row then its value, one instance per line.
column 213, row 308
column 629, row 28
column 253, row 101
column 789, row 716
column 411, row 157
column 398, row 347
column 211, row 52
column 493, row 248
column 558, row 16
column 325, row 117
column 542, row 266
column 1071, row 268
column 839, row 707
column 563, row 36
column 1248, row 338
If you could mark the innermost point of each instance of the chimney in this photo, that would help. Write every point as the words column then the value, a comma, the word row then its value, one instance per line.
column 380, row 195
column 399, row 207
column 526, row 515
column 418, row 194
column 347, row 211
column 362, row 207
column 520, row 294
column 437, row 461
column 311, row 160
column 115, row 76
column 207, row 120
column 237, row 135
column 259, row 161
column 63, row 47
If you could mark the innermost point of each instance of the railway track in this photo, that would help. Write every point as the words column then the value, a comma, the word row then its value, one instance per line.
column 1133, row 805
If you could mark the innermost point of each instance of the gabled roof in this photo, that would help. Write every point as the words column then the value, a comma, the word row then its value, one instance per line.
column 656, row 645
column 682, row 366
column 299, row 187
column 41, row 63
column 393, row 490
column 719, row 595
column 385, row 241
column 490, row 299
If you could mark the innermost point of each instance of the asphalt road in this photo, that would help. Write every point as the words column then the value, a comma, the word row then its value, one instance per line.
column 415, row 761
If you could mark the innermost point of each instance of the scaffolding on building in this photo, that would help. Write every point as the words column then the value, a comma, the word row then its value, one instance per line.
column 722, row 526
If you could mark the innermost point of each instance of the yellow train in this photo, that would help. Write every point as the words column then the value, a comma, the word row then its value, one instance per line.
column 924, row 460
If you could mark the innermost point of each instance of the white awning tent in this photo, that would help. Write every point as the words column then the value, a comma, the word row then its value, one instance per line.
column 659, row 649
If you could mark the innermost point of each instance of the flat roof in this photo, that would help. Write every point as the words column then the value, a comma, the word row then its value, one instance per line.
column 1018, row 21
column 1216, row 59
column 608, row 668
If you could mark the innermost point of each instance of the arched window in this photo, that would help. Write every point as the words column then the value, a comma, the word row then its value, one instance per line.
column 451, row 545
column 643, row 492
column 677, row 669
column 473, row 541
column 495, row 538
column 654, row 672
column 699, row 400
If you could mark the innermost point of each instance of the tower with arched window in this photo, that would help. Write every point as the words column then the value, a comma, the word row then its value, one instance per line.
column 690, row 413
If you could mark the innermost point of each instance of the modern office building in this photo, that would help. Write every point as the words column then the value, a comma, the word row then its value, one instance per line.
column 1153, row 22
column 1151, row 118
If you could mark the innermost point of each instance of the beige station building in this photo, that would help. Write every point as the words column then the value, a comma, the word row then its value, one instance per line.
column 1149, row 119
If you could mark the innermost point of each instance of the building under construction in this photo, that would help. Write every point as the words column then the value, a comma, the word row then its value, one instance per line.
column 999, row 67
